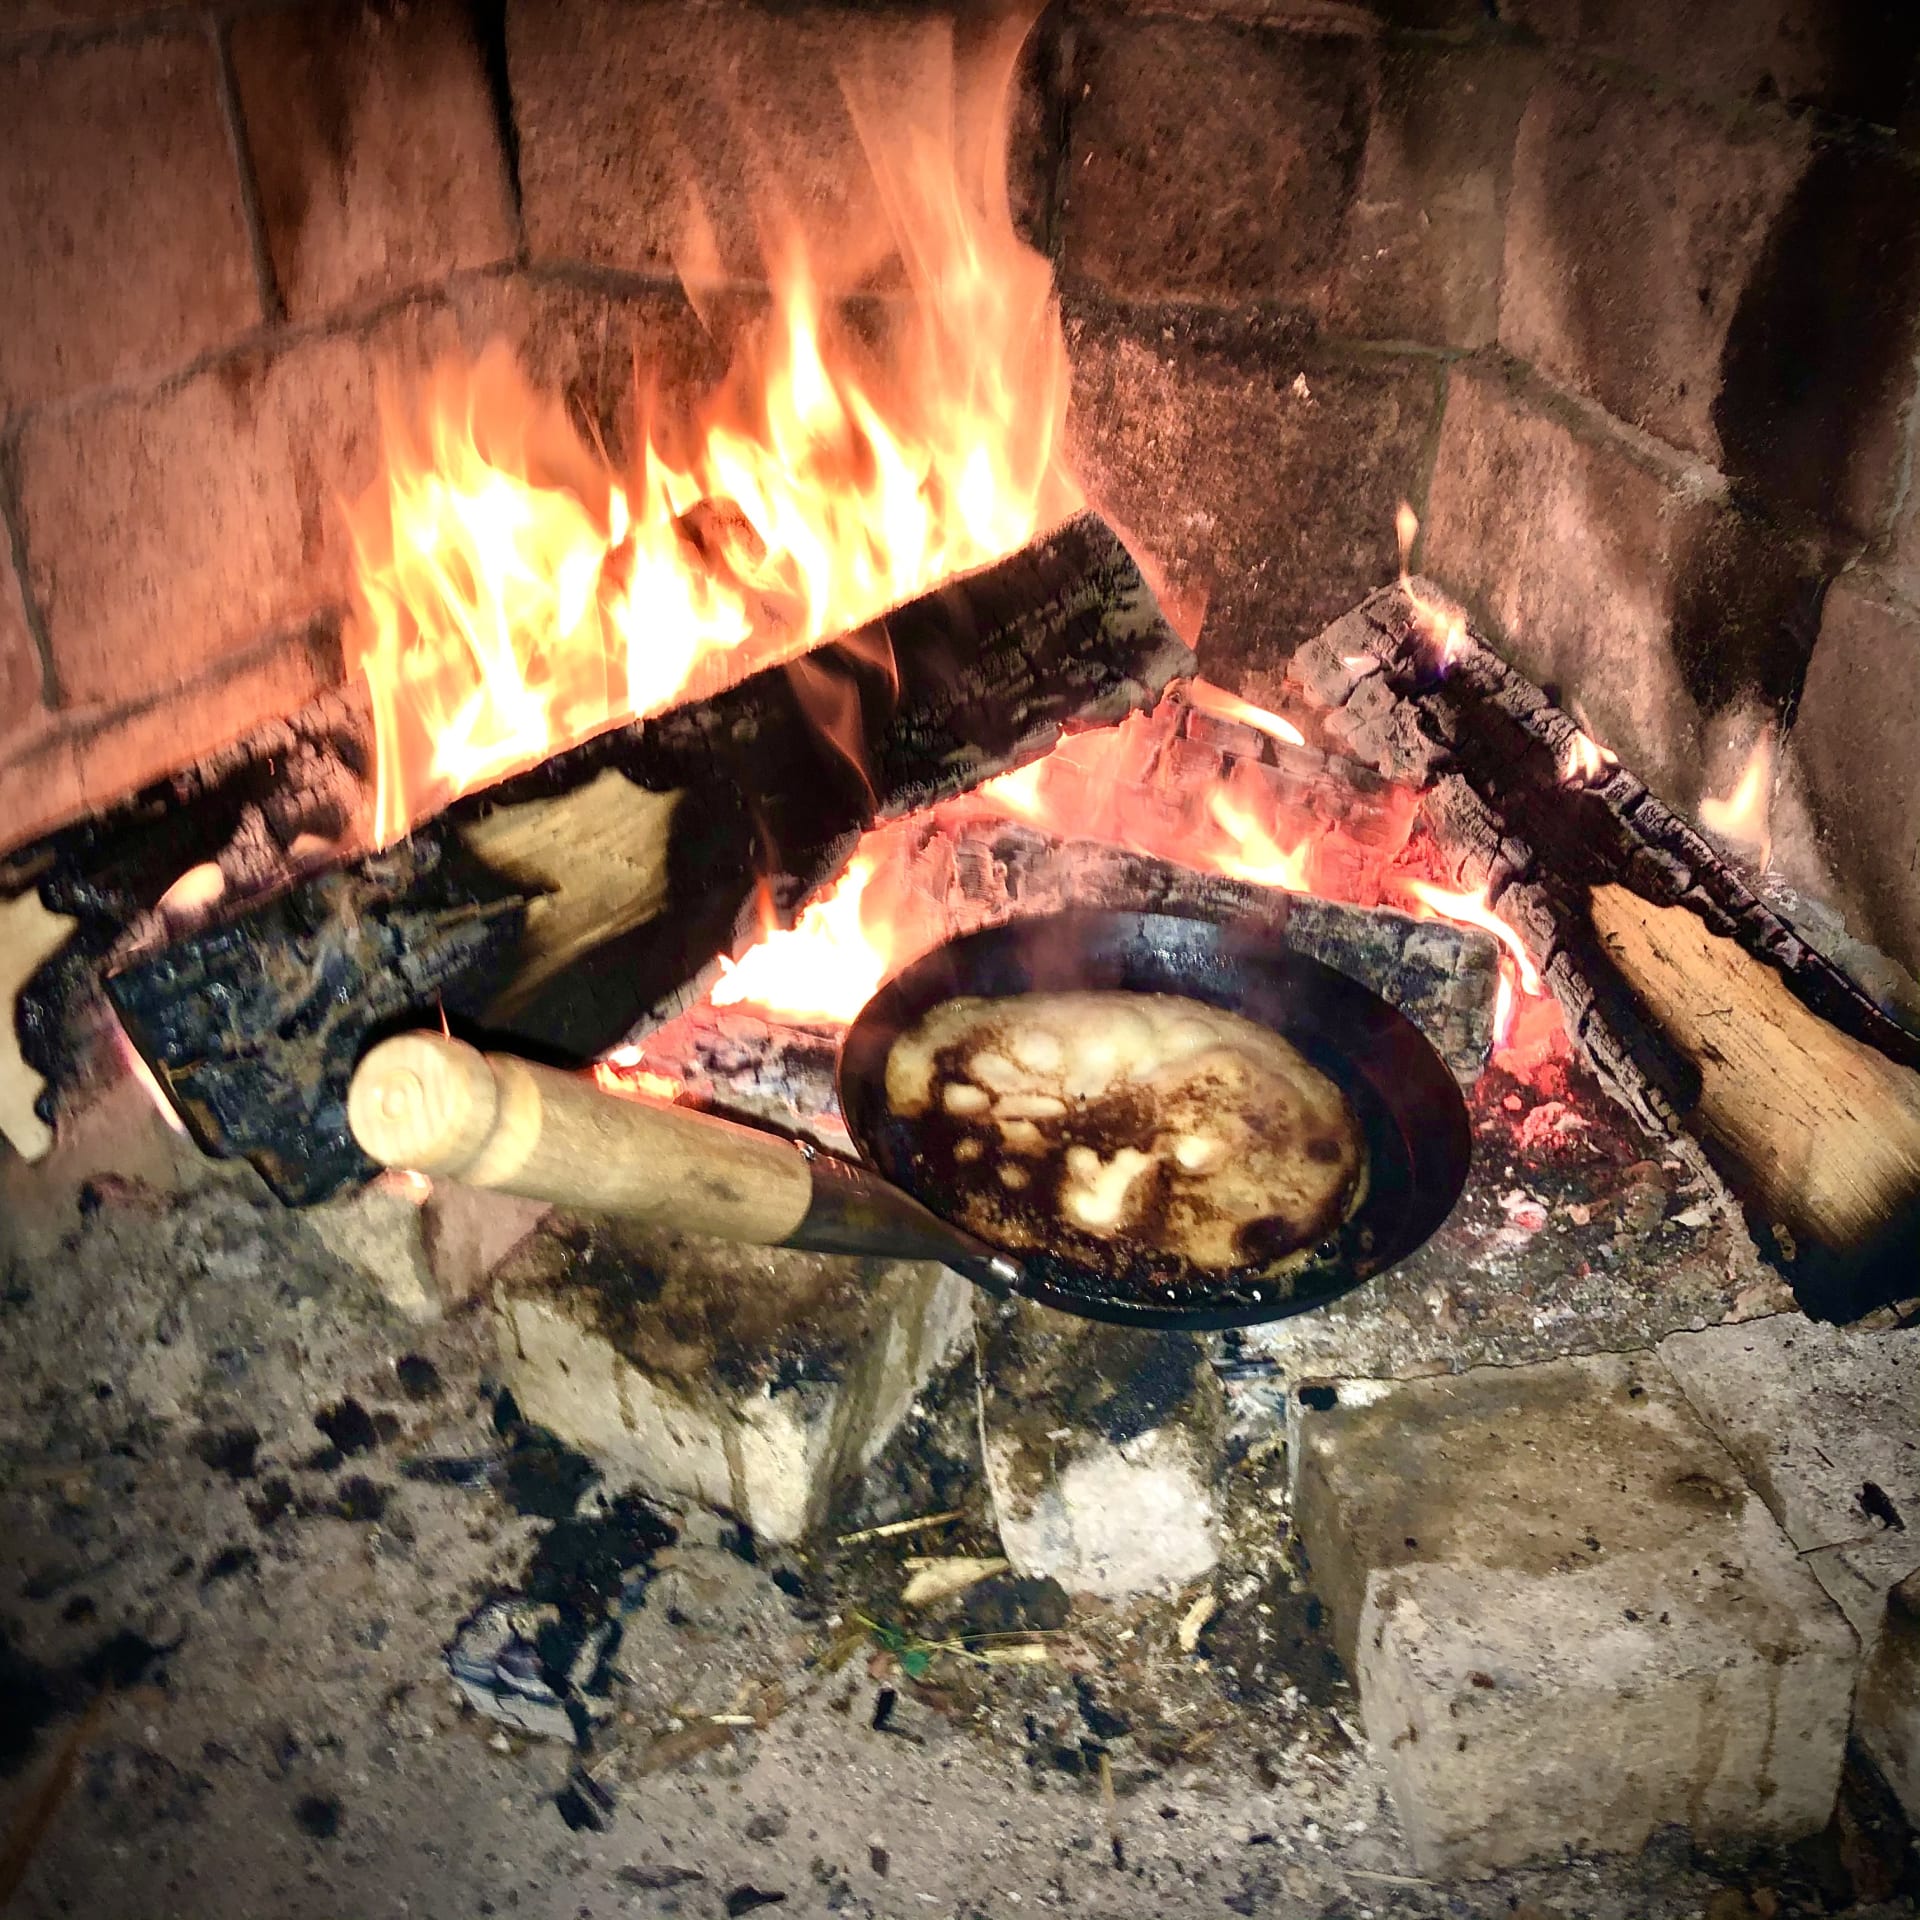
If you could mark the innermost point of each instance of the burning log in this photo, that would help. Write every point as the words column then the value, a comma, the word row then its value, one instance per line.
column 1694, row 1001
column 552, row 912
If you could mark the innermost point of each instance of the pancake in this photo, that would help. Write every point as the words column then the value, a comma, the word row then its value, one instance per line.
column 1107, row 1125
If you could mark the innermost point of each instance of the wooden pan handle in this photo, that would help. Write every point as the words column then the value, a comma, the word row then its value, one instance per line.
column 439, row 1106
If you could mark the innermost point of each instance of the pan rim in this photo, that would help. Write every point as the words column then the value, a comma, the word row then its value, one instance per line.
column 1435, row 1159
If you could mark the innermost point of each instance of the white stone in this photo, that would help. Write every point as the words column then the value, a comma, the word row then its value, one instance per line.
column 1103, row 1453
column 429, row 1250
column 1814, row 1414
column 1569, row 1620
column 1139, row 1517
column 770, row 1452
column 377, row 1231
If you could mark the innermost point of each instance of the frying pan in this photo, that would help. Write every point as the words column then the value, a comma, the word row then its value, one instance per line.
column 423, row 1101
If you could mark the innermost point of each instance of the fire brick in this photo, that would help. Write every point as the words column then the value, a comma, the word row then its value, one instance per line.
column 374, row 142
column 1425, row 238
column 1261, row 477
column 1852, row 742
column 168, row 530
column 600, row 350
column 656, row 134
column 1569, row 1620
column 1635, row 230
column 1848, row 59
column 1212, row 160
column 60, row 776
column 762, row 1390
column 119, row 215
column 1608, row 565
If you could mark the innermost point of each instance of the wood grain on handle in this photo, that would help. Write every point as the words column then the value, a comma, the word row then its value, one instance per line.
column 439, row 1106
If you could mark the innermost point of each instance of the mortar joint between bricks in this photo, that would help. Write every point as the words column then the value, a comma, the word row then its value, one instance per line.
column 273, row 306
column 15, row 526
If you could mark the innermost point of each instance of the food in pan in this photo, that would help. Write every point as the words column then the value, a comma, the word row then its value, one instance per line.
column 1147, row 1123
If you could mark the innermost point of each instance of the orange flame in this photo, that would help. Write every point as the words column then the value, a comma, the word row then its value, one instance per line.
column 1587, row 759
column 1229, row 706
column 516, row 593
column 1254, row 853
column 1445, row 627
column 827, row 966
column 1744, row 817
column 1473, row 910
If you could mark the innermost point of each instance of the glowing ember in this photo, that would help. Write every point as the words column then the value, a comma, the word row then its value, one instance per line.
column 1744, row 816
column 621, row 1072
column 827, row 966
column 1472, row 910
column 1254, row 854
column 1229, row 706
column 198, row 889
column 516, row 593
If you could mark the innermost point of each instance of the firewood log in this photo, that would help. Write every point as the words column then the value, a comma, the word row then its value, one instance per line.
column 1823, row 1129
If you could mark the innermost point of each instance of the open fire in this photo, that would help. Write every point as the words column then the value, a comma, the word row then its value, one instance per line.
column 518, row 591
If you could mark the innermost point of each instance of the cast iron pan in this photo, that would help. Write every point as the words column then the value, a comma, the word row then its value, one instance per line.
column 1414, row 1119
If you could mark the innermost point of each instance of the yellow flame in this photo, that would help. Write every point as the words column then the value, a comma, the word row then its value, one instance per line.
column 1229, row 706
column 515, row 592
column 826, row 966
column 1254, row 853
column 1744, row 817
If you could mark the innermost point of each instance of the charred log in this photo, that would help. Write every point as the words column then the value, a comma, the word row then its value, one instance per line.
column 550, row 913
column 1648, row 938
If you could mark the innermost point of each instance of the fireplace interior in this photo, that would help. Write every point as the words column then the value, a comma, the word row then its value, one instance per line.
column 609, row 530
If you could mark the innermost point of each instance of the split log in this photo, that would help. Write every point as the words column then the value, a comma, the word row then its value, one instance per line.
column 29, row 937
column 552, row 912
column 1699, row 1007
column 1825, row 1131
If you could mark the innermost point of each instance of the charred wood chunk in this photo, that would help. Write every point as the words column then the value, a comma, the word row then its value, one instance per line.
column 254, row 1026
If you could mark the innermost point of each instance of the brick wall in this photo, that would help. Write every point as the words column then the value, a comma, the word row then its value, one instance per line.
column 1621, row 295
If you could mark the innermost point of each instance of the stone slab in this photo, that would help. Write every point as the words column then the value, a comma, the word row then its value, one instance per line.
column 1210, row 160
column 1634, row 228
column 1260, row 472
column 172, row 529
column 1851, row 746
column 1569, row 1620
column 1816, row 1416
column 375, row 145
column 1887, row 1708
column 120, row 220
column 756, row 1380
column 1425, row 238
column 1103, row 1453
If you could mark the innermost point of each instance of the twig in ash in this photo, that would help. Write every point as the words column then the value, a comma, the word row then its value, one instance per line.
column 895, row 1528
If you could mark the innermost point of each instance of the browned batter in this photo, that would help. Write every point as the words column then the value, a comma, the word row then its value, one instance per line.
column 1146, row 1122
